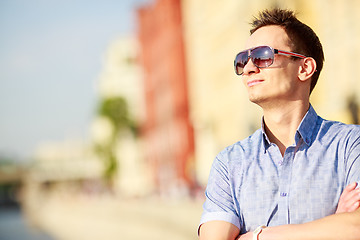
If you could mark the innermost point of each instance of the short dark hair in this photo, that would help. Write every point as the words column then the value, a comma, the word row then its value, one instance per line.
column 303, row 39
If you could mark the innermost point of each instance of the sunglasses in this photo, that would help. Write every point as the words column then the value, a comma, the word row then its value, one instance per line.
column 262, row 57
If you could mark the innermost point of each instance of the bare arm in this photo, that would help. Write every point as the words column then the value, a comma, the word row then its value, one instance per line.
column 218, row 230
column 349, row 199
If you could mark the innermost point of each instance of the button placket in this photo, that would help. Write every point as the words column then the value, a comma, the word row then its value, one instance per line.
column 284, row 184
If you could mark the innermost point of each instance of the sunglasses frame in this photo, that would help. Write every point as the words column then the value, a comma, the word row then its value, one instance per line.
column 273, row 50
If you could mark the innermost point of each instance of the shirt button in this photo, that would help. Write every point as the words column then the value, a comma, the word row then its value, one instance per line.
column 283, row 194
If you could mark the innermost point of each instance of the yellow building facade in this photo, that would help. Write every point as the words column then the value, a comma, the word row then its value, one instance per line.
column 215, row 31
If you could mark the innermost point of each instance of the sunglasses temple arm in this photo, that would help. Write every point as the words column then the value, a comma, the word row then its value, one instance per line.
column 281, row 52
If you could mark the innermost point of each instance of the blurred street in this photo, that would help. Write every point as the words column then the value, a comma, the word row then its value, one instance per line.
column 93, row 219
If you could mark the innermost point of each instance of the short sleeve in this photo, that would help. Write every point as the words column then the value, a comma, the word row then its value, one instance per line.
column 219, row 203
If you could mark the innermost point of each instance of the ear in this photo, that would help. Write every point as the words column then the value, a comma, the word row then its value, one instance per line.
column 307, row 68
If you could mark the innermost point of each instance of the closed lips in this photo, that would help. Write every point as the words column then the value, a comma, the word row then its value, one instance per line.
column 254, row 82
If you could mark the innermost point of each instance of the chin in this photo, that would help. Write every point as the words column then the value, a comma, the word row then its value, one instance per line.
column 256, row 99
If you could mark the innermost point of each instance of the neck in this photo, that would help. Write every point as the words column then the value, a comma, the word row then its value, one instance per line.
column 282, row 122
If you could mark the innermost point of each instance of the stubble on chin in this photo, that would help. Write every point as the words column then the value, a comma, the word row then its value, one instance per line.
column 255, row 98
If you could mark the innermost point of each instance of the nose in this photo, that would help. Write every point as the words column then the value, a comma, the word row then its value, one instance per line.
column 250, row 68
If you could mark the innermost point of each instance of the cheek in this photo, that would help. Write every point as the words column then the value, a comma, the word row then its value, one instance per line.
column 288, row 74
column 293, row 70
column 282, row 82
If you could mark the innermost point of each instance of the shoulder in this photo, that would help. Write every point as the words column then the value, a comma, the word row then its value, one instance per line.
column 340, row 129
column 241, row 149
column 340, row 136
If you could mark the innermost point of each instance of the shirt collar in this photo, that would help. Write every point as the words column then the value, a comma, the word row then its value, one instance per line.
column 306, row 127
column 266, row 141
column 304, row 131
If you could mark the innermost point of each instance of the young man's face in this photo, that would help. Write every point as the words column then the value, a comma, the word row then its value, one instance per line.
column 275, row 84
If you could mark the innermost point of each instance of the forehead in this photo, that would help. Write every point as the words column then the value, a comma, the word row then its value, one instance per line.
column 273, row 36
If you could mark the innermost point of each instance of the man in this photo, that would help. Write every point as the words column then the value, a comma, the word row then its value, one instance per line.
column 297, row 175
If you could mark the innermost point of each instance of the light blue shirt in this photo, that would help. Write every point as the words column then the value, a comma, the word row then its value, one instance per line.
column 251, row 184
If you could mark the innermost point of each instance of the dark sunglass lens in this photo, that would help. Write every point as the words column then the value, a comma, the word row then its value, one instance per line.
column 262, row 57
column 240, row 62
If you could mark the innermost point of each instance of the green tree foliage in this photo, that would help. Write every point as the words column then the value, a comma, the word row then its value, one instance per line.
column 116, row 110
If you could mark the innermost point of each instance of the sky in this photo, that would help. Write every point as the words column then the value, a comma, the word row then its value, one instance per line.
column 51, row 56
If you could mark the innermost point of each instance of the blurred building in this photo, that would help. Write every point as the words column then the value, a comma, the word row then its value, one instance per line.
column 121, row 77
column 64, row 162
column 338, row 26
column 167, row 130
